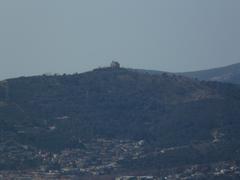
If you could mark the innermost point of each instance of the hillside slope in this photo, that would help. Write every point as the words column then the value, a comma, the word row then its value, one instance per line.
column 54, row 113
column 229, row 74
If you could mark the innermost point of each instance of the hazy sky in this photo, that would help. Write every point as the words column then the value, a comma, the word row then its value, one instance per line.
column 40, row 36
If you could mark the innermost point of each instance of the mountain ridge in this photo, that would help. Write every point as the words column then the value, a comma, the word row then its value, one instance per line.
column 227, row 74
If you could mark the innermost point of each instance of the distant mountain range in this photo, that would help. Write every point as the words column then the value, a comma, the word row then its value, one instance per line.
column 115, row 120
column 229, row 74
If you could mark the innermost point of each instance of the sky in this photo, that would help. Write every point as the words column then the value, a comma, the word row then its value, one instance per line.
column 68, row 36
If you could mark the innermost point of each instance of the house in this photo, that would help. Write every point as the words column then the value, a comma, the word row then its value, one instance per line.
column 115, row 65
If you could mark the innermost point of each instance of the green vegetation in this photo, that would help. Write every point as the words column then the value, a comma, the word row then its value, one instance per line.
column 58, row 112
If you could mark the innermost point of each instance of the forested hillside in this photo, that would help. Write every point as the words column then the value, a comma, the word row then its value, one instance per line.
column 53, row 113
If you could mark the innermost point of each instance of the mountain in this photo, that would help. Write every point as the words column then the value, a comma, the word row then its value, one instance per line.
column 230, row 74
column 117, row 121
